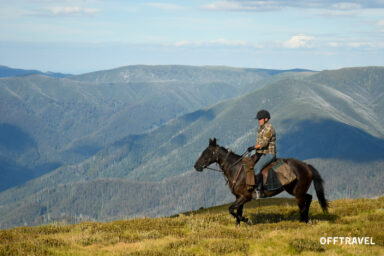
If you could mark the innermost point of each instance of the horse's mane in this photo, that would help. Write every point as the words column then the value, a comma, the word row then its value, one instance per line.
column 231, row 154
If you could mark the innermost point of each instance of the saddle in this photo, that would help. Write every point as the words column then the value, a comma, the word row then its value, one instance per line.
column 275, row 175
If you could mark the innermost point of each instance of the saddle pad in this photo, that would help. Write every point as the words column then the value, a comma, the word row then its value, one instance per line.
column 284, row 173
column 272, row 182
column 279, row 162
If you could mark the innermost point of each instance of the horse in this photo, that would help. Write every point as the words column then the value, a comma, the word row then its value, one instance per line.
column 231, row 165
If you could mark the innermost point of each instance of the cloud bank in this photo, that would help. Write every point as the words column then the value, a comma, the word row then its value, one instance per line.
column 273, row 5
column 70, row 10
column 299, row 41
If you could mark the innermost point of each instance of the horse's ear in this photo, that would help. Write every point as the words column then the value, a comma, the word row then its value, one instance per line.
column 212, row 142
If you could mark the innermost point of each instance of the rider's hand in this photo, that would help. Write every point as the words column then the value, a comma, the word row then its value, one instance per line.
column 251, row 148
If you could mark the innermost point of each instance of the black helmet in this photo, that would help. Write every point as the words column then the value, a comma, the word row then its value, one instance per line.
column 263, row 114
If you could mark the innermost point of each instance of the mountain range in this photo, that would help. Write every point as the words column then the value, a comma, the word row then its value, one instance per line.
column 10, row 72
column 48, row 122
column 332, row 119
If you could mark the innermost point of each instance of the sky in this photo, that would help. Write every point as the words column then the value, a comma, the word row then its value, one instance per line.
column 82, row 36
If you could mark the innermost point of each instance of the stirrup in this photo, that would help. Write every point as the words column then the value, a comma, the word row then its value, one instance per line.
column 256, row 195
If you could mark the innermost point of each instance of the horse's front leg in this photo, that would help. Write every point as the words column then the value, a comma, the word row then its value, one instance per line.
column 238, row 207
column 240, row 214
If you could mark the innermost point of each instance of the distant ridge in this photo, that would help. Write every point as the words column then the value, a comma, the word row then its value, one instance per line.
column 9, row 72
column 156, row 73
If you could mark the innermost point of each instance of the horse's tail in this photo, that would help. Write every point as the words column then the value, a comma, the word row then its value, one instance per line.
column 318, row 182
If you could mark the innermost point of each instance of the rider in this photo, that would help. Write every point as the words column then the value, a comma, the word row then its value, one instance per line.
column 265, row 146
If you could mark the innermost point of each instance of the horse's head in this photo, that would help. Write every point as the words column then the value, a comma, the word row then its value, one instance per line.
column 209, row 156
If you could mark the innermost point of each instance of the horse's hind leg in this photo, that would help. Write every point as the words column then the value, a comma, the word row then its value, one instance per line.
column 308, row 200
column 301, row 203
column 304, row 203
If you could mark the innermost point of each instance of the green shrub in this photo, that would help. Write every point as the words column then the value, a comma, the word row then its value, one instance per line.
column 305, row 244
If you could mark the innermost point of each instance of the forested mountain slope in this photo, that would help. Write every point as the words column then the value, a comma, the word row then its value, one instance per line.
column 48, row 122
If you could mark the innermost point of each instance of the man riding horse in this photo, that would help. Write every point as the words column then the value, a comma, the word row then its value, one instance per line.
column 265, row 147
column 242, row 183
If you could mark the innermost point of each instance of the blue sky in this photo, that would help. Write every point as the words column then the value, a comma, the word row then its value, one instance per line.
column 88, row 35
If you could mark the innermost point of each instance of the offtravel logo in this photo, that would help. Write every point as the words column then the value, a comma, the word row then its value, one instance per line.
column 347, row 240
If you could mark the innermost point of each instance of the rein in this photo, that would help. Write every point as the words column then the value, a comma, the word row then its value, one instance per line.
column 213, row 169
column 233, row 182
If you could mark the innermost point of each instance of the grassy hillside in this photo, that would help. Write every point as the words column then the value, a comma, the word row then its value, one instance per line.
column 275, row 231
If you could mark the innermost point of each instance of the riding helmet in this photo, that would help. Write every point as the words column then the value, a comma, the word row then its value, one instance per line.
column 263, row 114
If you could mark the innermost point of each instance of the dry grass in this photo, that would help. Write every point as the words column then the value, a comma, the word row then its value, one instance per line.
column 276, row 231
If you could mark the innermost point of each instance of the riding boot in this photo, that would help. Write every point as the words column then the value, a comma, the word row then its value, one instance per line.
column 259, row 189
column 259, row 193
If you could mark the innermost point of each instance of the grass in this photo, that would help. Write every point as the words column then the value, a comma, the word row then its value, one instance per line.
column 275, row 231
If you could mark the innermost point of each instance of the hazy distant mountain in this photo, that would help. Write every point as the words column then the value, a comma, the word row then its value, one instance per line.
column 8, row 72
column 47, row 122
column 166, row 73
column 334, row 117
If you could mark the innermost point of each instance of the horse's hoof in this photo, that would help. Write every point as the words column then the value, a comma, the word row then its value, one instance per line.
column 246, row 221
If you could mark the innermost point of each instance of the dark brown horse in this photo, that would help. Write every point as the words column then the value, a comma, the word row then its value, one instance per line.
column 230, row 165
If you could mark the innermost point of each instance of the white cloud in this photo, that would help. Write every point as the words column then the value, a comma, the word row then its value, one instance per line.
column 230, row 5
column 46, row 8
column 213, row 42
column 299, row 41
column 70, row 10
column 359, row 44
column 270, row 5
column 221, row 41
column 334, row 44
column 380, row 24
column 166, row 6
column 325, row 53
column 344, row 43
column 183, row 43
column 346, row 6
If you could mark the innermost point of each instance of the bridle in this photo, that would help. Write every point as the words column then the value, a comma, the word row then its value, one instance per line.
column 216, row 152
column 222, row 165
